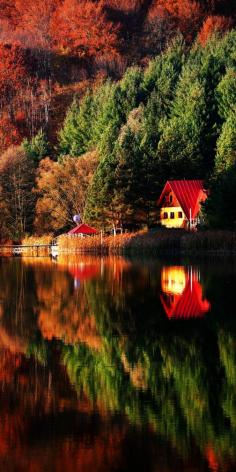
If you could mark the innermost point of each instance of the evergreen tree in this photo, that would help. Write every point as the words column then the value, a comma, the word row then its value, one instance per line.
column 181, row 144
column 163, row 72
column 37, row 148
column 226, row 145
column 105, row 111
column 131, row 89
column 219, row 208
column 75, row 136
column 226, row 94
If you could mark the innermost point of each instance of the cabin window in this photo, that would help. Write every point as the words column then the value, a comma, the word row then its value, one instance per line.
column 171, row 198
column 172, row 215
column 180, row 214
column 165, row 215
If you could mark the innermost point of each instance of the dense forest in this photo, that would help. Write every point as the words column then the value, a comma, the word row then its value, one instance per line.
column 102, row 101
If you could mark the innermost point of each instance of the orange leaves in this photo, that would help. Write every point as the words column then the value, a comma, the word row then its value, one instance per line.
column 81, row 28
column 12, row 69
column 181, row 8
column 211, row 25
column 9, row 133
column 34, row 18
column 12, row 77
column 126, row 6
column 186, row 15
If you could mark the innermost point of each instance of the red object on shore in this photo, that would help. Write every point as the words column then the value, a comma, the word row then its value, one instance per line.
column 83, row 229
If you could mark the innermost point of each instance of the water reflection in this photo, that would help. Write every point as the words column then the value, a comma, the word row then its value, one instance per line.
column 91, row 371
column 182, row 295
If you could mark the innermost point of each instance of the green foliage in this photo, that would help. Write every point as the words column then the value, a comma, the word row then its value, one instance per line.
column 219, row 208
column 75, row 136
column 37, row 148
column 38, row 350
column 174, row 120
column 226, row 145
column 226, row 94
column 163, row 72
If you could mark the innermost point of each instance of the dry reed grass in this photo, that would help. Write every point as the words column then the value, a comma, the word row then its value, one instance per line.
column 35, row 242
column 153, row 242
column 156, row 242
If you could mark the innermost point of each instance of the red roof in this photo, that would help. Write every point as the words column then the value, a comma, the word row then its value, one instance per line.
column 188, row 305
column 189, row 193
column 83, row 229
column 84, row 272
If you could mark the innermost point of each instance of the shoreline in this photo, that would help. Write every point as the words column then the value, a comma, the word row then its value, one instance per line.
column 143, row 243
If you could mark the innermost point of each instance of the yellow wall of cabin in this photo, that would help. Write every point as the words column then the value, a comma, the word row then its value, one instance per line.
column 176, row 222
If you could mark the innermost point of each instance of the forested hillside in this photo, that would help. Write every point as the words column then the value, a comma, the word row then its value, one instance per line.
column 103, row 101
column 49, row 50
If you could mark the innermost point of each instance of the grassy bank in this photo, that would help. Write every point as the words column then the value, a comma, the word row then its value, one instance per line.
column 158, row 242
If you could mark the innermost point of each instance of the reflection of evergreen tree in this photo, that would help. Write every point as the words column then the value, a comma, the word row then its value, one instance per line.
column 227, row 348
column 177, row 379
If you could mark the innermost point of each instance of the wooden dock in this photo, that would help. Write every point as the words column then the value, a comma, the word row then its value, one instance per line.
column 21, row 249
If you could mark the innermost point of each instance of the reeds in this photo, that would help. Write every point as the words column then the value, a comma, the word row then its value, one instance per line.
column 37, row 245
column 152, row 242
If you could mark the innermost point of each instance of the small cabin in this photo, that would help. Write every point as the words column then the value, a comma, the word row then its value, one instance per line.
column 180, row 203
column 82, row 230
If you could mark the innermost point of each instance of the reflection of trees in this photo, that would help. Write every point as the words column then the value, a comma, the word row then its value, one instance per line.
column 18, row 305
column 108, row 335
column 63, row 312
column 175, row 394
column 41, row 420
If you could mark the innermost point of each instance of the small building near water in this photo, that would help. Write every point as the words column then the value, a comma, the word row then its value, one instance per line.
column 180, row 203
column 82, row 230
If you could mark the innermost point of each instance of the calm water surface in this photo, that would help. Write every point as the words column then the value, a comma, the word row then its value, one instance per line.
column 117, row 365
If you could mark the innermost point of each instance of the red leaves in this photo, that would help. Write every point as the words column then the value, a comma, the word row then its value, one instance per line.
column 213, row 24
column 81, row 28
column 184, row 15
column 9, row 133
column 12, row 69
column 34, row 17
column 90, row 30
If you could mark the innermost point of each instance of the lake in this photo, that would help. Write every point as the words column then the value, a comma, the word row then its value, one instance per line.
column 117, row 364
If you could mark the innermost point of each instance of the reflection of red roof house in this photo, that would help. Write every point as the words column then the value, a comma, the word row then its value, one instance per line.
column 185, row 303
column 212, row 459
column 180, row 202
column 84, row 272
column 83, row 229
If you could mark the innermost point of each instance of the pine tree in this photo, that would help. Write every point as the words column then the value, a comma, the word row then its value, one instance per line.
column 75, row 136
column 226, row 145
column 226, row 94
column 38, row 147
column 219, row 210
column 180, row 149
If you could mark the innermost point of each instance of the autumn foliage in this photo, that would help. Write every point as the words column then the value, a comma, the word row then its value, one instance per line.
column 83, row 29
column 47, row 47
column 213, row 24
